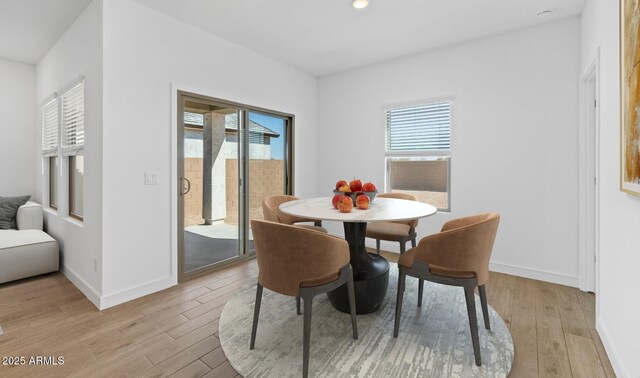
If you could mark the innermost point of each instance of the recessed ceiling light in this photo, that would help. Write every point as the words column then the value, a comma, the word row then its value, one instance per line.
column 545, row 13
column 359, row 4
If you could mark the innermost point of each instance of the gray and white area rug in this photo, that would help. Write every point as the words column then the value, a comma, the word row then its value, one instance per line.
column 434, row 340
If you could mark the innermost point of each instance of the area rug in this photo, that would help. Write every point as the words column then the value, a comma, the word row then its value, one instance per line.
column 434, row 340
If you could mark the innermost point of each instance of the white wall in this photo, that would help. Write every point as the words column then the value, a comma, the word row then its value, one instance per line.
column 514, row 137
column 618, row 304
column 78, row 52
column 147, row 56
column 18, row 141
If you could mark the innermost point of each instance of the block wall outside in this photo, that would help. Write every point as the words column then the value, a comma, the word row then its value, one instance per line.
column 266, row 179
column 193, row 168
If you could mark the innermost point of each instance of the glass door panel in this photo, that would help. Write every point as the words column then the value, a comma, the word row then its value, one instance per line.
column 230, row 157
column 211, row 194
column 267, row 172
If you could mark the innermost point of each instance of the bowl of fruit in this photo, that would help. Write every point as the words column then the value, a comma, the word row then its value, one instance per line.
column 359, row 195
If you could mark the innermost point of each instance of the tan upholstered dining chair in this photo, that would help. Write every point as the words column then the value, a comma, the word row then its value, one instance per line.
column 271, row 212
column 400, row 232
column 459, row 256
column 300, row 263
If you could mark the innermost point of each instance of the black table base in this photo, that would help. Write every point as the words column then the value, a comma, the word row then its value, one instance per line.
column 370, row 274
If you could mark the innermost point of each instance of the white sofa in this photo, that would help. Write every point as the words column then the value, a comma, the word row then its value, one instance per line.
column 27, row 251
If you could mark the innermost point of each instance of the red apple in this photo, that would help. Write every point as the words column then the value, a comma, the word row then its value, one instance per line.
column 344, row 188
column 362, row 202
column 340, row 183
column 368, row 187
column 335, row 200
column 345, row 204
column 355, row 185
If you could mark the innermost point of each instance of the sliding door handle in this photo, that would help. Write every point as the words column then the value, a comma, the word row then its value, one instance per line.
column 185, row 188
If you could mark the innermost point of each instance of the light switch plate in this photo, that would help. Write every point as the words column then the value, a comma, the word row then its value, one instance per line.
column 151, row 178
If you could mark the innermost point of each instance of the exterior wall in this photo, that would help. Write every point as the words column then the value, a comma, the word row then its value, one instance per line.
column 266, row 178
column 193, row 170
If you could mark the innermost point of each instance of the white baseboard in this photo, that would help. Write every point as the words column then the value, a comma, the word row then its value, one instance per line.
column 514, row 270
column 135, row 292
column 82, row 285
column 611, row 350
column 535, row 274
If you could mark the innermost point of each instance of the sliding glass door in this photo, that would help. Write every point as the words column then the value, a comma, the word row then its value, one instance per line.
column 230, row 157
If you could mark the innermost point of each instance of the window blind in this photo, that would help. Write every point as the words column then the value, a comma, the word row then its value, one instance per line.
column 50, row 122
column 73, row 119
column 419, row 128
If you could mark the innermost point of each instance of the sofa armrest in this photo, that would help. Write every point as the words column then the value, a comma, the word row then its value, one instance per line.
column 29, row 216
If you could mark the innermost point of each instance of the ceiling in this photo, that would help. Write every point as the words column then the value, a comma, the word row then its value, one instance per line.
column 28, row 28
column 319, row 37
column 328, row 36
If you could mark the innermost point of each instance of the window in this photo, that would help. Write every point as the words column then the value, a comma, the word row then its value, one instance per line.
column 50, row 123
column 73, row 145
column 418, row 152
column 53, row 182
column 76, row 181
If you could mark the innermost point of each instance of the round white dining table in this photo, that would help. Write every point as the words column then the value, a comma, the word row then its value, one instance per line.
column 370, row 271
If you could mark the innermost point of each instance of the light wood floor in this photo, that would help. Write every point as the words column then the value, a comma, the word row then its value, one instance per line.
column 174, row 332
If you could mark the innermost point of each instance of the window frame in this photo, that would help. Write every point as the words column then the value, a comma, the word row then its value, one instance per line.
column 421, row 155
column 72, row 212
column 53, row 171
column 50, row 147
column 71, row 150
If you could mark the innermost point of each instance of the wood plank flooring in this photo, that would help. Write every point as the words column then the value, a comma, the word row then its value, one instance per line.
column 174, row 332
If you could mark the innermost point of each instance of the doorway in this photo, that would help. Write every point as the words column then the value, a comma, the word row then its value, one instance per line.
column 230, row 157
column 589, row 177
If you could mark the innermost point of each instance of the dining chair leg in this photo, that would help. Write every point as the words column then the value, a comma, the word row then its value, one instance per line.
column 473, row 321
column 306, row 339
column 298, row 305
column 485, row 309
column 401, row 279
column 352, row 305
column 420, row 291
column 256, row 314
column 378, row 246
column 403, row 246
column 413, row 242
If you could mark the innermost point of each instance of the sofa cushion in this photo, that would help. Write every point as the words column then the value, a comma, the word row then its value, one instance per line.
column 8, row 210
column 29, row 216
column 16, row 238
column 26, row 253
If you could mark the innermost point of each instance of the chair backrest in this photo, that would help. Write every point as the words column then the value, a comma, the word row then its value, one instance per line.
column 404, row 196
column 464, row 244
column 271, row 209
column 288, row 255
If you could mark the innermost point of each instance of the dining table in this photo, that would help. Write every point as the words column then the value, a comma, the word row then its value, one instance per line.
column 370, row 271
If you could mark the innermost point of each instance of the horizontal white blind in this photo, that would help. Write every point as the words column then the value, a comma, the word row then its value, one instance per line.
column 50, row 121
column 419, row 128
column 73, row 119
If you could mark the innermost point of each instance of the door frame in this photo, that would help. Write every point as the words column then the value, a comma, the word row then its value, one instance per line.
column 590, row 176
column 178, row 173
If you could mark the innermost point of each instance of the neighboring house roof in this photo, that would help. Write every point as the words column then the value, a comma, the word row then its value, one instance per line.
column 230, row 124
